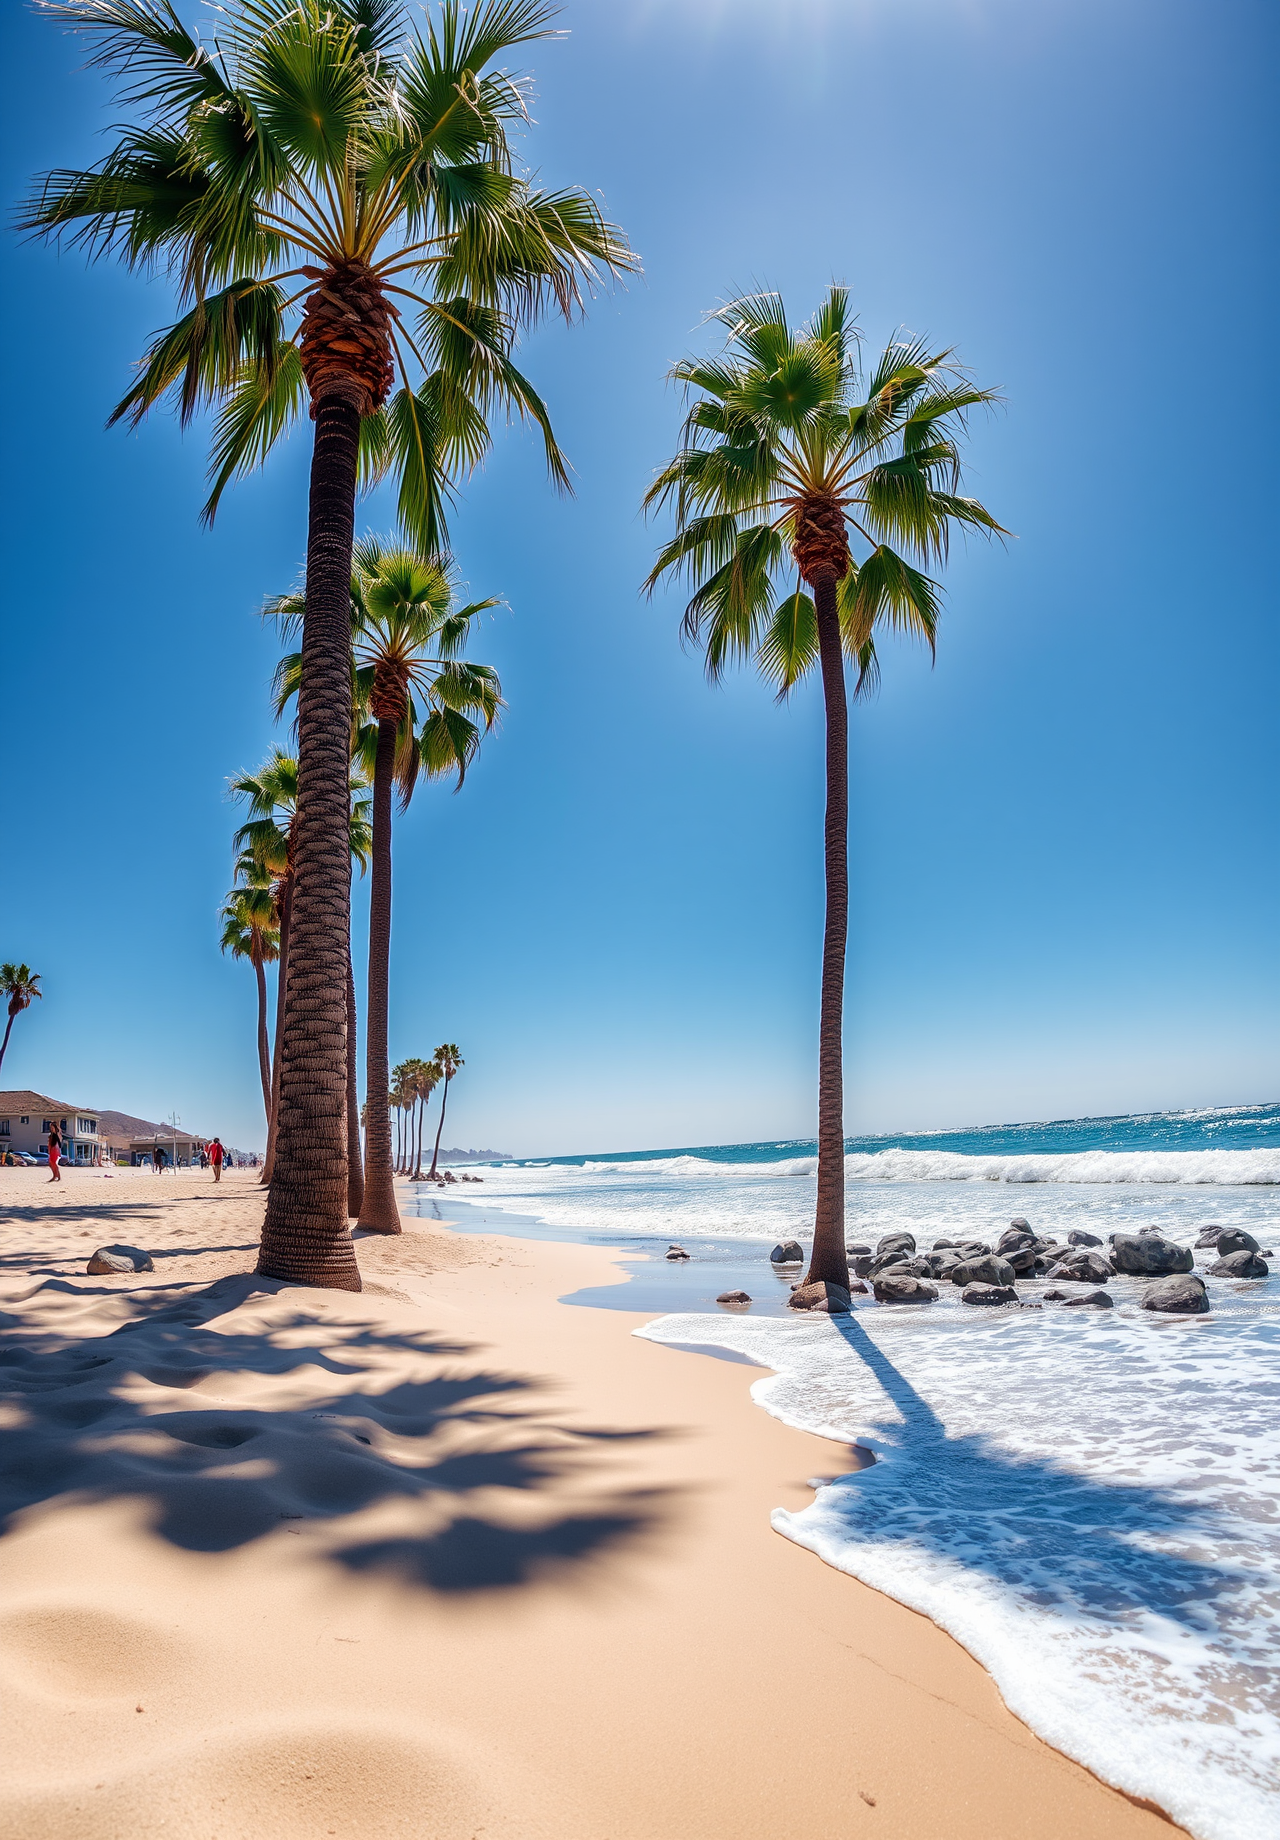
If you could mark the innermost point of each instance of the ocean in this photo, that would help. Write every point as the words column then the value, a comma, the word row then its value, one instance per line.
column 1089, row 1501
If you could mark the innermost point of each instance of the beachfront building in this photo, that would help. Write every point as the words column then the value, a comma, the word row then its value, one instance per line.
column 181, row 1148
column 26, row 1118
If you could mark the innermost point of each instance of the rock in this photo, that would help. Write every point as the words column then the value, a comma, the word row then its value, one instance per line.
column 856, row 1284
column 989, row 1269
column 1148, row 1254
column 861, row 1265
column 939, row 1263
column 1082, row 1266
column 677, row 1252
column 1025, row 1225
column 1092, row 1300
column 993, row 1294
column 974, row 1248
column 1183, row 1295
column 851, row 1250
column 1235, row 1239
column 894, row 1286
column 940, row 1245
column 1209, row 1236
column 790, row 1252
column 832, row 1298
column 1055, row 1296
column 1242, row 1264
column 1024, row 1259
column 733, row 1297
column 1013, row 1239
column 119, row 1258
column 895, row 1256
column 896, row 1242
column 1078, row 1237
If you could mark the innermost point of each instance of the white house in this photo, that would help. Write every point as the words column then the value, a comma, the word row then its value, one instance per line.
column 26, row 1117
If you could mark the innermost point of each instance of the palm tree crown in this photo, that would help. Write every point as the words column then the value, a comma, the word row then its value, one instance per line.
column 330, row 183
column 788, row 450
column 18, row 985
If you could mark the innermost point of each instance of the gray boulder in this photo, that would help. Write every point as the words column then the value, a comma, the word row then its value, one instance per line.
column 896, row 1242
column 1183, row 1295
column 989, row 1269
column 110, row 1259
column 1020, row 1222
column 990, row 1294
column 1014, row 1237
column 1088, row 1300
column 1235, row 1239
column 894, row 1286
column 790, row 1252
column 1209, row 1236
column 734, row 1297
column 1078, row 1237
column 1149, row 1254
column 945, row 1245
column 1024, row 1259
column 861, row 1265
column 851, row 1250
column 1242, row 1264
column 1081, row 1266
column 677, row 1252
column 833, row 1299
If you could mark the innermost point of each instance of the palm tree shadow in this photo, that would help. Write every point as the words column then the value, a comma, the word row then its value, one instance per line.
column 476, row 1484
column 1106, row 1552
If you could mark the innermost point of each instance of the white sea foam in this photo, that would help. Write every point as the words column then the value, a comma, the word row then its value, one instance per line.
column 1090, row 1504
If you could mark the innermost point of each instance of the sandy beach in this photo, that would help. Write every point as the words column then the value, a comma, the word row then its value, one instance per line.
column 443, row 1560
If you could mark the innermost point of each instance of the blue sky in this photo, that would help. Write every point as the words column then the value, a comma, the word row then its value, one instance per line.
column 1064, row 835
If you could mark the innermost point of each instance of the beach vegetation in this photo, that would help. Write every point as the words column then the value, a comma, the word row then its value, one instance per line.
column 331, row 187
column 251, row 930
column 19, row 984
column 811, row 499
column 448, row 1059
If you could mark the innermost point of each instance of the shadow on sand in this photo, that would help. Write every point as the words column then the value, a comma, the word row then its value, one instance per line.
column 486, row 1488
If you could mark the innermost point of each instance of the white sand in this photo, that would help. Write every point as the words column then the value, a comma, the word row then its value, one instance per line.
column 444, row 1560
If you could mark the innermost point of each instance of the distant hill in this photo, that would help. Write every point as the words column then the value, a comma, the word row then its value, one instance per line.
column 124, row 1124
column 475, row 1156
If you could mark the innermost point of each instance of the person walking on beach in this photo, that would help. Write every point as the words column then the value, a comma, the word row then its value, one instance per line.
column 157, row 1160
column 216, row 1154
column 55, row 1150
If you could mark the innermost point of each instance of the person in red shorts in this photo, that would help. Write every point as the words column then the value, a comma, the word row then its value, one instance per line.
column 55, row 1150
column 216, row 1154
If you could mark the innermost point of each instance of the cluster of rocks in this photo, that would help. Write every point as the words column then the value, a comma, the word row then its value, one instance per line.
column 898, row 1272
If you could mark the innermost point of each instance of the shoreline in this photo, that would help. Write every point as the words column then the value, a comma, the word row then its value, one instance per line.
column 497, row 1549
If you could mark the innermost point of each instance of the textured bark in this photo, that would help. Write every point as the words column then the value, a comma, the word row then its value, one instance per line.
column 8, row 1030
column 355, row 1166
column 305, row 1237
column 346, row 338
column 435, row 1155
column 829, row 1262
column 264, row 1052
column 379, row 1213
column 282, row 978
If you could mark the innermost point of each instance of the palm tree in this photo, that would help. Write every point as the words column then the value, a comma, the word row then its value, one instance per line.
column 427, row 1076
column 271, row 792
column 448, row 1060
column 406, row 1095
column 19, row 983
column 407, row 632
column 251, row 929
column 787, row 454
column 331, row 186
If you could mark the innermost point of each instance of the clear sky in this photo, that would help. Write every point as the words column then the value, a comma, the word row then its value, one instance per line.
column 1064, row 836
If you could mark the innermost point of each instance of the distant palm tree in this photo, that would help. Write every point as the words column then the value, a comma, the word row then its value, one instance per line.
column 406, row 1096
column 331, row 184
column 788, row 452
column 271, row 793
column 19, row 983
column 448, row 1060
column 251, row 929
column 427, row 706
column 427, row 1076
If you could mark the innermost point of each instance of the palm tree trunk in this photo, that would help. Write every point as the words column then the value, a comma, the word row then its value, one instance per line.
column 415, row 1147
column 829, row 1260
column 355, row 1165
column 8, row 1028
column 435, row 1155
column 305, row 1237
column 282, row 978
column 379, row 1213
column 264, row 1052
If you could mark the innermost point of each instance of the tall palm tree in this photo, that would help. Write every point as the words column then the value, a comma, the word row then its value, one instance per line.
column 330, row 183
column 448, row 1060
column 251, row 929
column 427, row 1076
column 789, row 454
column 405, row 1089
column 270, row 836
column 18, row 983
column 427, row 705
